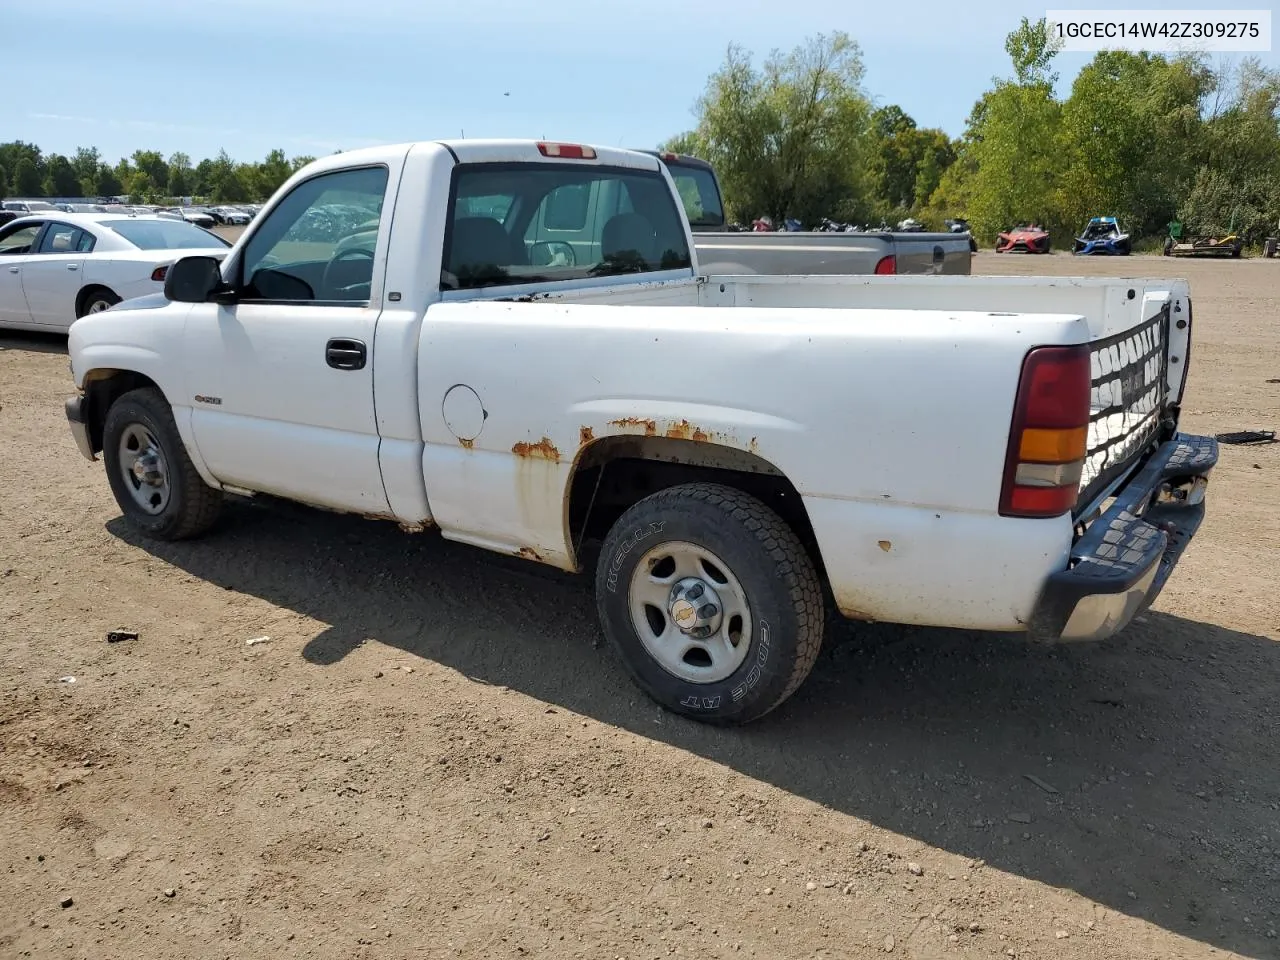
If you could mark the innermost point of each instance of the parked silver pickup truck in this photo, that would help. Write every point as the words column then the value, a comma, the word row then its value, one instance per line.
column 721, row 251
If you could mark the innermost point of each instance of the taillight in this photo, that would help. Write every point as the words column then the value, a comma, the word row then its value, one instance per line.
column 1050, row 434
column 158, row 274
column 887, row 266
column 670, row 157
column 567, row 151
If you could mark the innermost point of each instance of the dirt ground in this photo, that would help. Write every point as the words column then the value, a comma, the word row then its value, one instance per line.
column 430, row 756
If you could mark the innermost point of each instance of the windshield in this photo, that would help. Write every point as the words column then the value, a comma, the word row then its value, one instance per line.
column 164, row 234
column 533, row 223
column 698, row 191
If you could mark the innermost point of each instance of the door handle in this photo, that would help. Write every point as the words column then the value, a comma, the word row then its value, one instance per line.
column 343, row 354
column 73, row 266
column 13, row 269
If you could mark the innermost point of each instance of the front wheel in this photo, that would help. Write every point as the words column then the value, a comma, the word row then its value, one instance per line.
column 152, row 477
column 711, row 601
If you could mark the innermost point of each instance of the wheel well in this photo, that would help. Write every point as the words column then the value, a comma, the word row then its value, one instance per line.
column 103, row 388
column 615, row 472
column 82, row 298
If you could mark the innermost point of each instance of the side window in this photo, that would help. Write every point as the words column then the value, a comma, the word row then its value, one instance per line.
column 20, row 241
column 64, row 238
column 318, row 244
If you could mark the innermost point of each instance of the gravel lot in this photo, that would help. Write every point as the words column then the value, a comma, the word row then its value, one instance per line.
column 431, row 757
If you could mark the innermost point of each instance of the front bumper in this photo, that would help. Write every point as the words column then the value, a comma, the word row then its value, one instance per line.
column 78, row 418
column 1123, row 560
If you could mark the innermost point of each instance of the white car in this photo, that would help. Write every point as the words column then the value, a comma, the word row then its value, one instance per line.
column 57, row 267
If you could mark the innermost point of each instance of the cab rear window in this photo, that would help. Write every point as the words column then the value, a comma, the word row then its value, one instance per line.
column 533, row 223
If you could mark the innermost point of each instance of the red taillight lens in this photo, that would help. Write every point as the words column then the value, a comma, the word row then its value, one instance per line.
column 1049, row 435
column 567, row 151
column 159, row 273
column 670, row 157
column 887, row 266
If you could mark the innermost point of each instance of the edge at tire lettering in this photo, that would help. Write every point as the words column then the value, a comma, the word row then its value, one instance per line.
column 762, row 657
column 695, row 702
column 627, row 546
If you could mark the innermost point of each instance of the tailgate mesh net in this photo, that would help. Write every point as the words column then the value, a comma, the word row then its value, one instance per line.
column 1126, row 401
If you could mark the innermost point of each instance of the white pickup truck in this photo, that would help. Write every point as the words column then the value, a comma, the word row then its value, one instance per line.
column 405, row 332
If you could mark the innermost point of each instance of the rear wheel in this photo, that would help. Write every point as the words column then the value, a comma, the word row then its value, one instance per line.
column 711, row 601
column 152, row 477
column 95, row 300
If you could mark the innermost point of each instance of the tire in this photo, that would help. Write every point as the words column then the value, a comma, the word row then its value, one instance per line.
column 183, row 505
column 757, row 574
column 95, row 301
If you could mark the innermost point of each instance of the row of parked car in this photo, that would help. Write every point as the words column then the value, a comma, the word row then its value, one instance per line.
column 201, row 216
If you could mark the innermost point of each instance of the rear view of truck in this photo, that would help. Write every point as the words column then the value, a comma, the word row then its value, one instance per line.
column 1133, row 483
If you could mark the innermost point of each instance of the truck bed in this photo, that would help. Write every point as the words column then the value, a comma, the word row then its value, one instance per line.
column 1138, row 330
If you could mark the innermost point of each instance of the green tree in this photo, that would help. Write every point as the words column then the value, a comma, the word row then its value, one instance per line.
column 908, row 162
column 12, row 153
column 181, row 180
column 106, row 183
column 1131, row 132
column 4, row 183
column 153, row 164
column 270, row 174
column 687, row 144
column 297, row 163
column 226, row 183
column 26, row 179
column 85, row 163
column 60, row 178
column 1237, row 185
column 788, row 139
column 141, row 187
column 1014, row 141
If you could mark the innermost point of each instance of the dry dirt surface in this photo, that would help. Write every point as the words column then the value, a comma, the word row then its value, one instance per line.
column 431, row 757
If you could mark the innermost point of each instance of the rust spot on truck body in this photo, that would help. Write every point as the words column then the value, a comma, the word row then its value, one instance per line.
column 465, row 444
column 544, row 449
column 684, row 430
column 650, row 428
column 585, row 436
column 528, row 553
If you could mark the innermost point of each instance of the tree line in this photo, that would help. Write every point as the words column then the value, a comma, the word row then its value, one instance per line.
column 1145, row 137
column 145, row 177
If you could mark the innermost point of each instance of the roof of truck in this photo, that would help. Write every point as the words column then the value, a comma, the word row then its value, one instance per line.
column 498, row 151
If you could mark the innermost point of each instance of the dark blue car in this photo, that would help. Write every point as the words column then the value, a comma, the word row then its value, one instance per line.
column 1103, row 235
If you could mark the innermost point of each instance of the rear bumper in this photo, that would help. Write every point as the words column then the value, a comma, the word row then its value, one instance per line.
column 78, row 419
column 1123, row 560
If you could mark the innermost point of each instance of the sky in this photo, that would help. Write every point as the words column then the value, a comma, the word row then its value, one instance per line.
column 314, row 76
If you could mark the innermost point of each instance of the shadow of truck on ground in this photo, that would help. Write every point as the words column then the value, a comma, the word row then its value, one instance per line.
column 1161, row 747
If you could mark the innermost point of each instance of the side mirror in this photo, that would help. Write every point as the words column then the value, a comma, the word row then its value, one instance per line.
column 193, row 279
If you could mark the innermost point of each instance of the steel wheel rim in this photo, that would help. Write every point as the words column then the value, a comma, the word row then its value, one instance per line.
column 664, row 589
column 97, row 306
column 144, row 469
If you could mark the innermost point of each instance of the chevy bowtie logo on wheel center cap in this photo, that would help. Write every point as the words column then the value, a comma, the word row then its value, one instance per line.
column 684, row 613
